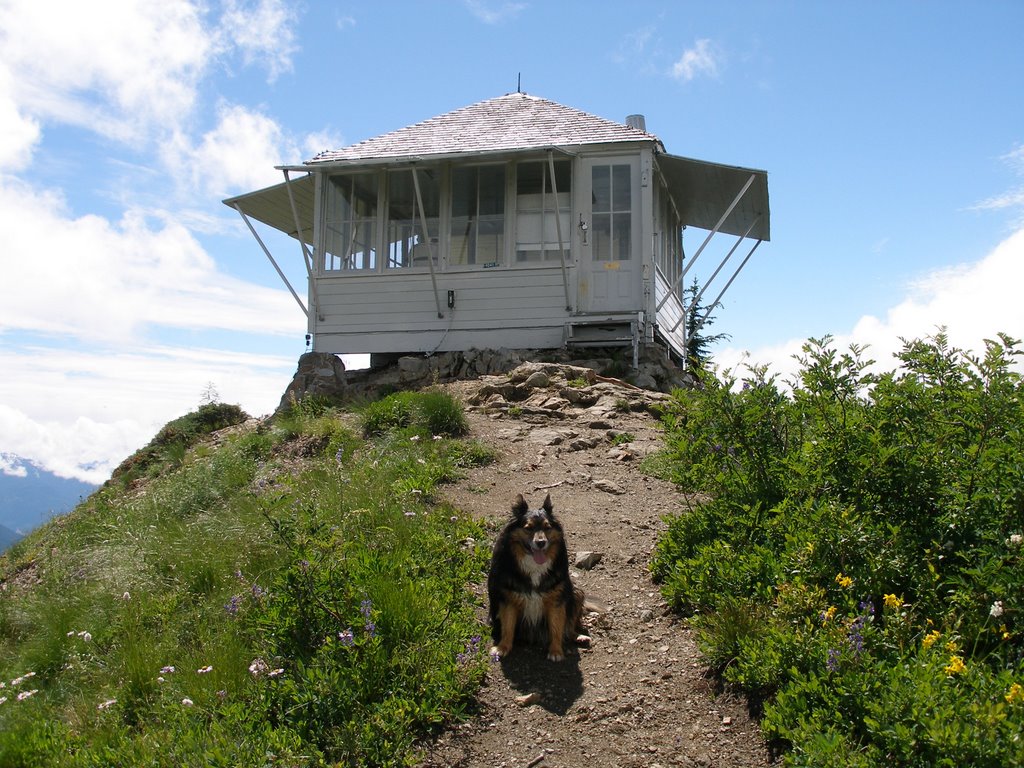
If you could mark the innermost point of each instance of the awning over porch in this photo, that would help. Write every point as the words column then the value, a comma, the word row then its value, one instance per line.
column 273, row 206
column 704, row 191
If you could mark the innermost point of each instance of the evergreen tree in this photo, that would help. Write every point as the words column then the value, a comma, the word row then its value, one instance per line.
column 698, row 320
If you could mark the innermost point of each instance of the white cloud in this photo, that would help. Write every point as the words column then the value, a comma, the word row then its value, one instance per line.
column 1012, row 198
column 973, row 301
column 120, row 399
column 239, row 154
column 10, row 466
column 117, row 72
column 492, row 13
column 263, row 32
column 19, row 134
column 88, row 278
column 702, row 59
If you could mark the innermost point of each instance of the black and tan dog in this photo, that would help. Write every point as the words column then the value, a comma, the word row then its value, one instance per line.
column 529, row 586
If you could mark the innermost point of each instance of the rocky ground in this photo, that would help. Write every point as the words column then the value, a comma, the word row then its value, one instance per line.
column 639, row 695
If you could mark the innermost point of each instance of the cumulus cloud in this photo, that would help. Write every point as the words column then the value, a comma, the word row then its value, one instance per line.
column 974, row 302
column 263, row 32
column 112, row 281
column 121, row 398
column 239, row 153
column 119, row 72
column 701, row 59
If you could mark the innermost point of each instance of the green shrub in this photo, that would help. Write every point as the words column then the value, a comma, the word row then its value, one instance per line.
column 171, row 443
column 430, row 413
column 859, row 552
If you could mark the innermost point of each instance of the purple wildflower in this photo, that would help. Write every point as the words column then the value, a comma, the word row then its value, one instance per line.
column 232, row 605
column 855, row 637
column 472, row 648
column 832, row 663
column 258, row 591
column 346, row 637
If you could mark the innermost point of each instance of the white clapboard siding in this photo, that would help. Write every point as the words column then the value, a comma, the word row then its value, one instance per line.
column 398, row 312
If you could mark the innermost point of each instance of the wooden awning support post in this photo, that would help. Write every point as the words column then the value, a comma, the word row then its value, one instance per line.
column 710, row 280
column 721, row 293
column 307, row 257
column 711, row 234
column 558, row 231
column 269, row 256
column 426, row 237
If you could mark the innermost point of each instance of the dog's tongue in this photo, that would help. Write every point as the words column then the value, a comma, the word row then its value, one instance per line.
column 539, row 556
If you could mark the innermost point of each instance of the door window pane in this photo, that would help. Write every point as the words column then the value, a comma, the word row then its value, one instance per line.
column 611, row 212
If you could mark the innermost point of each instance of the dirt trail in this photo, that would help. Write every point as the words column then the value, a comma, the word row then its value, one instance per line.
column 639, row 696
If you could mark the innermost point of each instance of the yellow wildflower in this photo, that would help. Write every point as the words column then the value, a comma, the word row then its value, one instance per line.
column 828, row 615
column 956, row 666
column 891, row 601
column 952, row 646
column 930, row 639
column 1015, row 694
column 843, row 581
column 1006, row 634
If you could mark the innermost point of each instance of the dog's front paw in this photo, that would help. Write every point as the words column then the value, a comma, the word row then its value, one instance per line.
column 497, row 653
column 583, row 641
column 555, row 657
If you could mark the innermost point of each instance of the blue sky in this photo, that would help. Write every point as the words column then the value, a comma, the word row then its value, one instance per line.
column 892, row 132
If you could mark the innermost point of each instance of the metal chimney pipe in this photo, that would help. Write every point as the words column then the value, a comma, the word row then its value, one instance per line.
column 637, row 121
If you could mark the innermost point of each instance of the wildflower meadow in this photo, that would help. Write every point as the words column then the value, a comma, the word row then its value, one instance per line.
column 853, row 558
column 290, row 593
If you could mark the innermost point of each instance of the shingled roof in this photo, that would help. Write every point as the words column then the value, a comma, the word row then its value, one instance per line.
column 516, row 121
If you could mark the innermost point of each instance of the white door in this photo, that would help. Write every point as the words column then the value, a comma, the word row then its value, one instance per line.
column 609, row 230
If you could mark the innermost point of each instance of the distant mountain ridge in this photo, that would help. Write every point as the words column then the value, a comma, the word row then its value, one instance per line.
column 31, row 495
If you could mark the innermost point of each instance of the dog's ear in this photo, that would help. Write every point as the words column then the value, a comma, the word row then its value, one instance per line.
column 519, row 506
column 547, row 504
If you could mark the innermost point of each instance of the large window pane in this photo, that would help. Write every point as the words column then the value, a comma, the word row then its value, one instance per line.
column 478, row 216
column 350, row 242
column 407, row 244
column 537, row 227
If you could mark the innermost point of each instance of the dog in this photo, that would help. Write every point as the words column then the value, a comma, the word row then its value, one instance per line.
column 528, row 586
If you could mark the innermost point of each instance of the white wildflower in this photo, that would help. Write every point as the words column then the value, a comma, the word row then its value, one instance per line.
column 1015, row 540
column 205, row 670
column 25, row 694
column 161, row 679
column 275, row 672
column 126, row 596
column 106, row 704
column 3, row 699
column 166, row 670
column 187, row 702
column 258, row 667
column 415, row 438
column 996, row 610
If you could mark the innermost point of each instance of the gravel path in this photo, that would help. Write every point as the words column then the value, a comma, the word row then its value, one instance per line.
column 639, row 696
